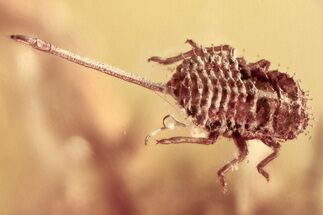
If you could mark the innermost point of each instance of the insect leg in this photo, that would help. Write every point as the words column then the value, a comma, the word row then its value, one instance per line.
column 275, row 146
column 171, row 60
column 195, row 140
column 264, row 64
column 192, row 43
column 166, row 125
column 243, row 152
column 228, row 49
column 176, row 58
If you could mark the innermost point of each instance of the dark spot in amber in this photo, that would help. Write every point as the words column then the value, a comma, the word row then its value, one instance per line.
column 213, row 125
column 229, row 124
column 191, row 111
column 245, row 74
column 249, row 98
column 237, row 126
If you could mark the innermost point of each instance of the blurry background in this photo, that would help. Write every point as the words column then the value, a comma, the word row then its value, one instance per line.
column 72, row 140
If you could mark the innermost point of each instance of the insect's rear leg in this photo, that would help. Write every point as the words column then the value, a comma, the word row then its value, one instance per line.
column 243, row 152
column 275, row 146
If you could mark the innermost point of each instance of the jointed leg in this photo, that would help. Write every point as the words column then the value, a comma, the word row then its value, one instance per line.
column 213, row 136
column 171, row 60
column 243, row 151
column 264, row 64
column 192, row 43
column 222, row 48
column 276, row 148
column 195, row 140
column 166, row 126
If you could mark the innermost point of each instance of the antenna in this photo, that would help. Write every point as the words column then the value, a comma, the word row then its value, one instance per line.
column 84, row 61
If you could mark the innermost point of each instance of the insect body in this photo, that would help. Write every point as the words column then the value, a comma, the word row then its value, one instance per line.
column 227, row 96
column 222, row 94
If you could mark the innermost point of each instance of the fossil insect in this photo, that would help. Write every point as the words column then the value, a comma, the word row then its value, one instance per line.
column 220, row 93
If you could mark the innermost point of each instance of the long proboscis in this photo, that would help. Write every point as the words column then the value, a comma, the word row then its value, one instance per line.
column 47, row 47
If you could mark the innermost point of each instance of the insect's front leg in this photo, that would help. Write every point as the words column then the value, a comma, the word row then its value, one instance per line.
column 174, row 59
column 193, row 140
column 166, row 126
column 222, row 48
column 171, row 60
column 192, row 43
column 275, row 146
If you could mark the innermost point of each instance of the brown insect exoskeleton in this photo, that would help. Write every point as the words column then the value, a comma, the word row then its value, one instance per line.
column 220, row 93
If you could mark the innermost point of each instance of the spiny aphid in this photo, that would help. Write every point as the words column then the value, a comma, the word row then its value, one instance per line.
column 220, row 93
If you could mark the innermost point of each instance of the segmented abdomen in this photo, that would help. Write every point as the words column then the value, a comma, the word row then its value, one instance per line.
column 224, row 94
